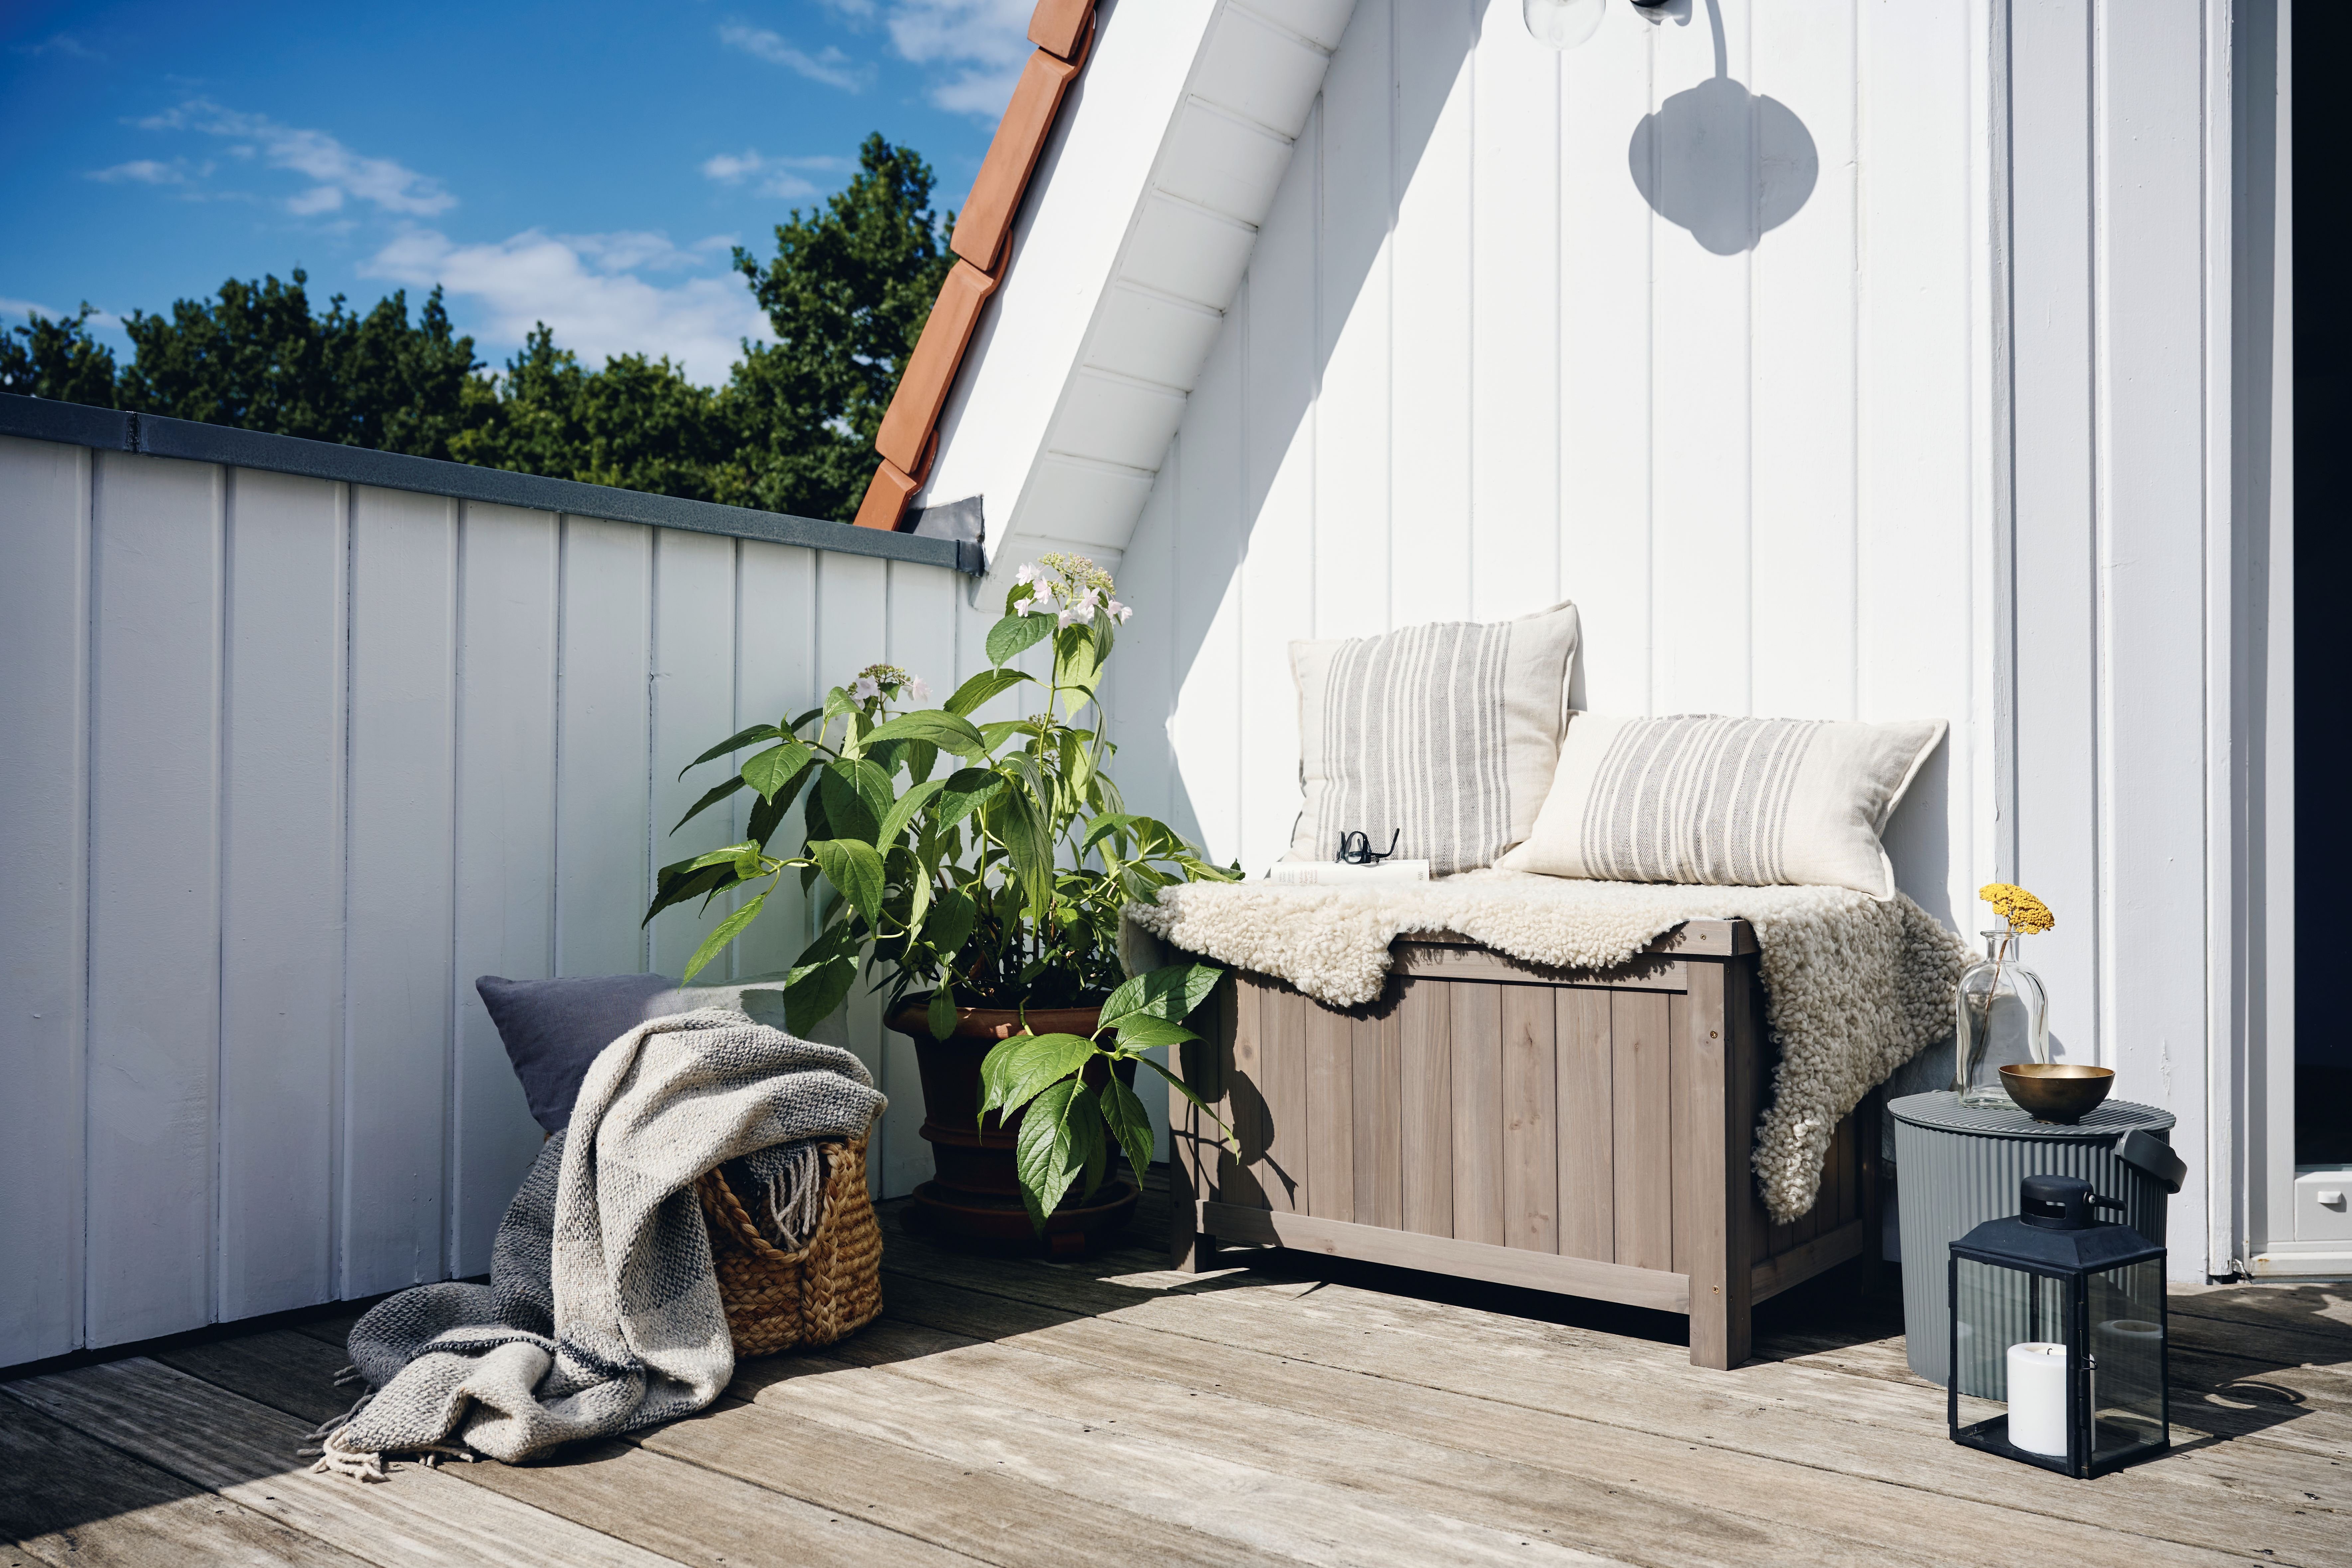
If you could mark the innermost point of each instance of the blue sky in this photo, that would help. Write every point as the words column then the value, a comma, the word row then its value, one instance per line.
column 584, row 163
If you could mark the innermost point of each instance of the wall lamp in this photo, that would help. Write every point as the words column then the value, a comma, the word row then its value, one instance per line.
column 1564, row 24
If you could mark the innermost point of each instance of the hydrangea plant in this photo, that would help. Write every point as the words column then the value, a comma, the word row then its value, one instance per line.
column 993, row 881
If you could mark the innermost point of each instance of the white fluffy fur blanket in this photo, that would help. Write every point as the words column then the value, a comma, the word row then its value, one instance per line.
column 1854, row 987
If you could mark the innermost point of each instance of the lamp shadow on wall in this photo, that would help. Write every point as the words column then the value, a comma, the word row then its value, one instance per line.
column 1728, row 165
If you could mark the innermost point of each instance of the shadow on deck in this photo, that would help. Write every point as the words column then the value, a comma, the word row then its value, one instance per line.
column 1304, row 1409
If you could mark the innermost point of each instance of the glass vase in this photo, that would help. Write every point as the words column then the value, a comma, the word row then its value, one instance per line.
column 2002, row 1016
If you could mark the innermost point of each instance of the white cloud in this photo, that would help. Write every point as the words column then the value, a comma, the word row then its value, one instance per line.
column 145, row 172
column 336, row 173
column 585, row 288
column 57, row 44
column 829, row 64
column 10, row 308
column 986, row 41
column 777, row 176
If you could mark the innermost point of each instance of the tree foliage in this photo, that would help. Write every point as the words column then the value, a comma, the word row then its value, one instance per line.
column 793, row 429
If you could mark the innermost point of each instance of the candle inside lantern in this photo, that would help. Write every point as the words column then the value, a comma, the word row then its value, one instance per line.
column 2037, row 1397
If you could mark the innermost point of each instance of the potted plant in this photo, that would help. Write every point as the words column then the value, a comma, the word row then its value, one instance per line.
column 987, row 892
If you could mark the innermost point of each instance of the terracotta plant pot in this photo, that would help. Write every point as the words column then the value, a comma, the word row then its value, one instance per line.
column 974, row 1196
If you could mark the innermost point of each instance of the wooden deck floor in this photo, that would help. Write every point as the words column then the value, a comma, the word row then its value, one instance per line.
column 1021, row 1412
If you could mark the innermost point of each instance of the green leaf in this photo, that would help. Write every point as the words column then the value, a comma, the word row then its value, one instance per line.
column 903, row 812
column 1103, row 827
column 1130, row 1124
column 966, row 788
column 848, row 812
column 1141, row 1031
column 734, row 742
column 941, row 1014
column 816, row 991
column 852, row 865
column 1010, row 636
column 766, row 816
column 1003, row 730
column 732, row 855
column 1181, row 1086
column 1016, row 824
column 724, row 932
column 711, row 797
column 1042, row 1155
column 1017, row 1070
column 947, row 732
column 1171, row 994
column 679, row 885
column 1084, row 1119
column 793, row 727
column 921, row 758
column 983, row 687
column 953, row 916
column 772, row 770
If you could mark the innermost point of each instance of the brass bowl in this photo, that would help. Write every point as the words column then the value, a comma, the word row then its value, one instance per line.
column 2062, row 1092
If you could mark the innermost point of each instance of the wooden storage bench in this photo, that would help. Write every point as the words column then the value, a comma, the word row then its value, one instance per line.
column 1582, row 1132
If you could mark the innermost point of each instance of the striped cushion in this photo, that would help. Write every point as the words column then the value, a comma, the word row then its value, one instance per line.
column 1706, row 799
column 1443, row 734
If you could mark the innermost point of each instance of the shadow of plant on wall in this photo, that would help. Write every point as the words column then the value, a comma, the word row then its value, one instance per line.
column 1728, row 165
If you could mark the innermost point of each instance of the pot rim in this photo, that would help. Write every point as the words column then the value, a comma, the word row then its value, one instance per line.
column 911, row 1019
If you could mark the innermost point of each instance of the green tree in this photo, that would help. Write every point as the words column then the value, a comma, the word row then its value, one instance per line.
column 638, row 423
column 57, row 359
column 255, row 356
column 848, row 292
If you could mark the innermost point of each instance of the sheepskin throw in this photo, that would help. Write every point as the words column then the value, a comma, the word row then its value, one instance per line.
column 1854, row 986
column 1444, row 736
column 603, row 1311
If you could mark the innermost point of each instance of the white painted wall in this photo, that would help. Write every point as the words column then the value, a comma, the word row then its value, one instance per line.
column 1953, row 439
column 291, row 762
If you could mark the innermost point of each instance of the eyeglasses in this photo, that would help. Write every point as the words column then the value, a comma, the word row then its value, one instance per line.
column 1356, row 849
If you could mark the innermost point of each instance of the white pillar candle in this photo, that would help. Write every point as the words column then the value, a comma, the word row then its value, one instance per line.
column 2037, row 1398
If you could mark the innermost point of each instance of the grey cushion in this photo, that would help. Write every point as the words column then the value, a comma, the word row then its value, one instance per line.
column 553, row 1028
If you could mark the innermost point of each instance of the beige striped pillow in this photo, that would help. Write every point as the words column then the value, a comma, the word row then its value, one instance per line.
column 1444, row 735
column 1702, row 798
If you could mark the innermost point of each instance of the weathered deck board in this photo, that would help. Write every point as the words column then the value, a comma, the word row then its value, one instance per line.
column 1107, row 1411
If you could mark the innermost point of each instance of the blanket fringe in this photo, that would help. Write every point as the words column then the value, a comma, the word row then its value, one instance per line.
column 795, row 1201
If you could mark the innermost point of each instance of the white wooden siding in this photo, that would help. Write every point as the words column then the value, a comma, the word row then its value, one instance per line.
column 1949, row 442
column 292, row 762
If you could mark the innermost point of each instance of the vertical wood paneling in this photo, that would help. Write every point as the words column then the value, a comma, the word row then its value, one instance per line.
column 603, row 769
column 400, row 985
column 1530, row 1131
column 1514, row 468
column 775, row 681
column 1353, row 310
column 45, row 609
column 922, row 643
column 506, row 844
column 1208, row 671
column 282, row 954
column 1700, row 349
column 1801, row 373
column 1286, row 1172
column 1278, row 363
column 1429, row 325
column 693, row 707
column 1477, row 1108
column 1606, row 303
column 1244, row 1178
column 2152, row 530
column 1330, row 1113
column 1426, row 1036
column 1587, row 1139
column 154, row 896
column 1379, row 1130
column 1640, row 1087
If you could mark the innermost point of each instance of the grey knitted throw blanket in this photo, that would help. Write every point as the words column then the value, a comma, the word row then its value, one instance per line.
column 603, row 1313
column 1853, row 987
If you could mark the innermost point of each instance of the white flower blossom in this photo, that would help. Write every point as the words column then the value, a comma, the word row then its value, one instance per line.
column 916, row 689
column 1120, row 612
column 1027, row 574
column 1083, row 611
column 1041, row 604
column 865, row 688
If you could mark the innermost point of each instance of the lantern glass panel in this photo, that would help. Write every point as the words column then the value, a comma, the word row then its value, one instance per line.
column 2128, row 1328
column 1994, row 1309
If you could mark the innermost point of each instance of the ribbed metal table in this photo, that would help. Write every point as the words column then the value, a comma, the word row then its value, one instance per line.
column 1959, row 1166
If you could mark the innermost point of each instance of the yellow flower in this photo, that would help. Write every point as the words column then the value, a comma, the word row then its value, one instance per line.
column 2026, row 915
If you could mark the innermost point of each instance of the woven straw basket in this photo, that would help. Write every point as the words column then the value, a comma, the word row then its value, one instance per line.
column 828, row 1290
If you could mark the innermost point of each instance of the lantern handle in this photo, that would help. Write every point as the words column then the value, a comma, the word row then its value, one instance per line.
column 2153, row 1158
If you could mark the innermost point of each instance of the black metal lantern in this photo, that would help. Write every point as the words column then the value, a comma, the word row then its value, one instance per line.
column 2058, row 1317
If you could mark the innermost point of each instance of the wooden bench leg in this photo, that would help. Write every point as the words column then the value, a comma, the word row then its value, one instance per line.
column 1720, row 1115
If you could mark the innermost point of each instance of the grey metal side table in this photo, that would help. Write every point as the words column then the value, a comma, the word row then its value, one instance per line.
column 1959, row 1166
